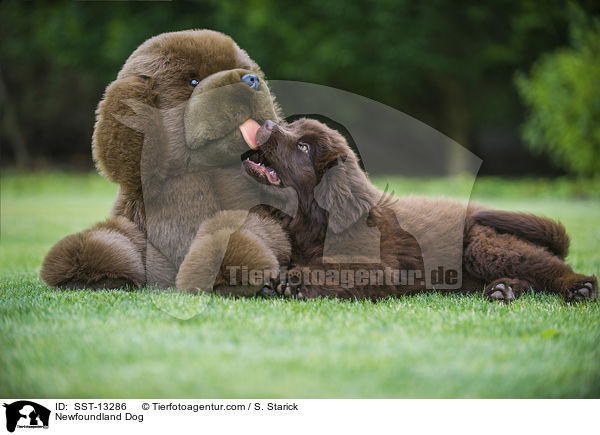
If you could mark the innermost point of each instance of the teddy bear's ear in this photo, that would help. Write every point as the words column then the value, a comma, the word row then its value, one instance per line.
column 117, row 144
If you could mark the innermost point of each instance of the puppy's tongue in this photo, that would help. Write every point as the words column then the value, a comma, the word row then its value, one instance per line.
column 249, row 129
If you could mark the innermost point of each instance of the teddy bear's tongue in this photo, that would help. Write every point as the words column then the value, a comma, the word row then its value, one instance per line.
column 249, row 129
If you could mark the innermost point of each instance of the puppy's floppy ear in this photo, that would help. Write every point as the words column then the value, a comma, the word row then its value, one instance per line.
column 117, row 145
column 345, row 192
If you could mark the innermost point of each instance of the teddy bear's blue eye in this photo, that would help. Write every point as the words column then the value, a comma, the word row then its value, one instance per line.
column 304, row 147
column 194, row 82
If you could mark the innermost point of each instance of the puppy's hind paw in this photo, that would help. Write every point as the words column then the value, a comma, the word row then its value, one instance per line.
column 503, row 290
column 581, row 290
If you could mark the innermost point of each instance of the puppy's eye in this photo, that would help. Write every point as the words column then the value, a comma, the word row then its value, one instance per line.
column 304, row 147
column 194, row 82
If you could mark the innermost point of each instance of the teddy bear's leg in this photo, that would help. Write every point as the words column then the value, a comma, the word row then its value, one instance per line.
column 233, row 253
column 108, row 255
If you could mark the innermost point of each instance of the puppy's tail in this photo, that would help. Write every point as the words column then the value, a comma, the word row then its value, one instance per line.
column 539, row 230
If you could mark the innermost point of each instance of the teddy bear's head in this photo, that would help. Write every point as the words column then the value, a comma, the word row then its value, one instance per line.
column 196, row 90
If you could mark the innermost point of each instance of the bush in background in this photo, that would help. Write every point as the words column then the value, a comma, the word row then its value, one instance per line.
column 563, row 95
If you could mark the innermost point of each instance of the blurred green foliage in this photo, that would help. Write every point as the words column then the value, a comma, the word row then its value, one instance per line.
column 449, row 64
column 563, row 93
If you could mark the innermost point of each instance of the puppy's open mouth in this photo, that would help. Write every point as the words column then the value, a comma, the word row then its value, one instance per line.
column 255, row 163
column 257, row 166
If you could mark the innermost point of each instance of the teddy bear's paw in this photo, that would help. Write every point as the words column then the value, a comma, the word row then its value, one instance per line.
column 201, row 267
column 94, row 259
column 248, row 261
column 236, row 263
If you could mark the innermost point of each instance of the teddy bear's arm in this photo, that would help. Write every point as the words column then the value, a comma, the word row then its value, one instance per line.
column 111, row 254
column 155, row 164
column 226, row 244
column 130, row 144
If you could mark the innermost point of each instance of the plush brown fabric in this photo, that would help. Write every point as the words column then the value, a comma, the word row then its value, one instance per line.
column 174, row 148
column 110, row 252
column 241, row 239
column 505, row 253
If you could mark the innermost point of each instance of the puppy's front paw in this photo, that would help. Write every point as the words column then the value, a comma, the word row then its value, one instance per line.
column 269, row 290
column 291, row 291
column 291, row 286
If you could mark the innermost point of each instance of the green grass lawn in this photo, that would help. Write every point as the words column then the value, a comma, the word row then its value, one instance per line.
column 120, row 344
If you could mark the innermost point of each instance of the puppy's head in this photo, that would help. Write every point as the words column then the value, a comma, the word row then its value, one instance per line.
column 317, row 162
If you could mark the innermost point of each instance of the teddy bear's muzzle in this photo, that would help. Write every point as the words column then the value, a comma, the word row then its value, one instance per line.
column 227, row 106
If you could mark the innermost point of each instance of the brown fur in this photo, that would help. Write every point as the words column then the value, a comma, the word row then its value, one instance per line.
column 144, row 140
column 233, row 238
column 536, row 229
column 504, row 252
column 111, row 251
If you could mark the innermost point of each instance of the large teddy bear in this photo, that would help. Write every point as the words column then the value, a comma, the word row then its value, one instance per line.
column 170, row 131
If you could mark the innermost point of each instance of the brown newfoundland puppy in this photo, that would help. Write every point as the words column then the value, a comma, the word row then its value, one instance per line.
column 503, row 252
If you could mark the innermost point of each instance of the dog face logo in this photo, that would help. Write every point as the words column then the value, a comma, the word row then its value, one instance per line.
column 26, row 414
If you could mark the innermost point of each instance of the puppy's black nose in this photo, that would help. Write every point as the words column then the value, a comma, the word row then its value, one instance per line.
column 268, row 125
column 252, row 81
